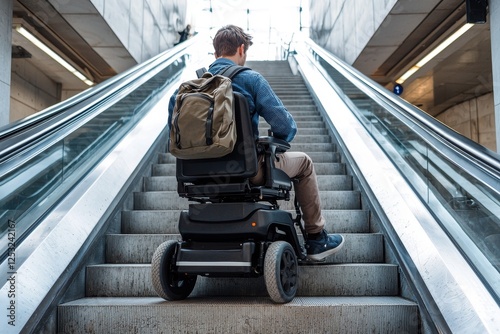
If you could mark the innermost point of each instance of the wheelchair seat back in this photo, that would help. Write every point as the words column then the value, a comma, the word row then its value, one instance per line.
column 227, row 178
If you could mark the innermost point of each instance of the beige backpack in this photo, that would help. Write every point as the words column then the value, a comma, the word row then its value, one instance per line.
column 203, row 118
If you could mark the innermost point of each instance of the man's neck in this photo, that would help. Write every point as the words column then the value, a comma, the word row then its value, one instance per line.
column 234, row 59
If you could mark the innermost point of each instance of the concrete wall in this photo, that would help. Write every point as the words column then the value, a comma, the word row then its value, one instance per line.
column 474, row 119
column 5, row 58
column 31, row 90
column 144, row 27
column 494, row 8
column 344, row 26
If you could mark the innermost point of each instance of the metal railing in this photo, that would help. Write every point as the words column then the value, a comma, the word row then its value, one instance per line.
column 43, row 156
column 458, row 179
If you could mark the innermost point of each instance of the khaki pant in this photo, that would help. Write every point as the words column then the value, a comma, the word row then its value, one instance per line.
column 299, row 166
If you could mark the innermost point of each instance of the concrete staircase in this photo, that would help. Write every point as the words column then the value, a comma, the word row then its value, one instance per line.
column 354, row 291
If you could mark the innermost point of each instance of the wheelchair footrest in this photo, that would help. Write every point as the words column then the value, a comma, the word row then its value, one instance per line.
column 216, row 259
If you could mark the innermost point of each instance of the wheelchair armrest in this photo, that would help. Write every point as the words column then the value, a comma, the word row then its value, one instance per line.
column 279, row 145
column 270, row 146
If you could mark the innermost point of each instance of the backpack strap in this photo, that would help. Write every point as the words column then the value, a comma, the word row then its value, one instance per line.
column 232, row 70
column 200, row 71
column 229, row 72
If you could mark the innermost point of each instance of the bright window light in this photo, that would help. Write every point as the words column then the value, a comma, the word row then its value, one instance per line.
column 447, row 42
column 53, row 55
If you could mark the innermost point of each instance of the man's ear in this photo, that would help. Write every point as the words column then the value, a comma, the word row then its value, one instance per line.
column 241, row 49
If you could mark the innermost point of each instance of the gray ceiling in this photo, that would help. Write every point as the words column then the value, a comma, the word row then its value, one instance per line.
column 459, row 73
column 53, row 27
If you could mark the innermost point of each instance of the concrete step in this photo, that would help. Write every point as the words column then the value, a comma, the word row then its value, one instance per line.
column 322, row 168
column 300, row 132
column 170, row 200
column 165, row 221
column 166, row 158
column 139, row 248
column 292, row 91
column 279, row 88
column 325, row 182
column 334, row 200
column 319, row 157
column 297, row 100
column 311, row 139
column 306, row 136
column 300, row 124
column 150, row 221
column 278, row 82
column 285, row 77
column 134, row 280
column 239, row 315
column 280, row 73
column 283, row 84
column 294, row 94
column 290, row 79
column 160, row 183
column 308, row 118
column 299, row 109
column 308, row 148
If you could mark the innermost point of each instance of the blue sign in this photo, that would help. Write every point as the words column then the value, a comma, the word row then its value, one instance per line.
column 398, row 89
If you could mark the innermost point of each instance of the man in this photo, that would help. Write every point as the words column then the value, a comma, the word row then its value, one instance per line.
column 184, row 34
column 231, row 44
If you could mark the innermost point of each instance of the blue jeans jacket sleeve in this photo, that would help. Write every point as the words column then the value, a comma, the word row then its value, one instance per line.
column 270, row 107
column 171, row 105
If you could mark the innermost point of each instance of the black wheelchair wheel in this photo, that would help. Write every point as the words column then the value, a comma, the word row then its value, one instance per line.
column 167, row 283
column 281, row 272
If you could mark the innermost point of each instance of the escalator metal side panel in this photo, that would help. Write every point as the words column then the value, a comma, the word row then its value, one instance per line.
column 41, row 269
column 449, row 289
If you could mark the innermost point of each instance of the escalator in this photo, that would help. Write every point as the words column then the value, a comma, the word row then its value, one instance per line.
column 362, row 282
column 94, row 194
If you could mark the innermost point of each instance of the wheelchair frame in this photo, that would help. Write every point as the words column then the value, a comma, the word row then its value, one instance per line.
column 230, row 232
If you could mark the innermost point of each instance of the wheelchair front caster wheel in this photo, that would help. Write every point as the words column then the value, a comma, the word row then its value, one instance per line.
column 167, row 283
column 281, row 272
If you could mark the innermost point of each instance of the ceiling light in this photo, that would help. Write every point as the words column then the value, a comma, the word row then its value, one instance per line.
column 447, row 42
column 53, row 55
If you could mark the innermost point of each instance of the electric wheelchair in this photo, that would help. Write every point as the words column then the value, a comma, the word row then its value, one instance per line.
column 235, row 229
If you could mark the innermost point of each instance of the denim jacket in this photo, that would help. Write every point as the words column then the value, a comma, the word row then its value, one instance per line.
column 262, row 101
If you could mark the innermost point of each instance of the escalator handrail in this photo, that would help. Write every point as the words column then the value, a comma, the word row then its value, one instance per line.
column 473, row 150
column 47, row 119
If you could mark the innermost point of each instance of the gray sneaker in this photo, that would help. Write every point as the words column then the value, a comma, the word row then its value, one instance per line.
column 325, row 245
